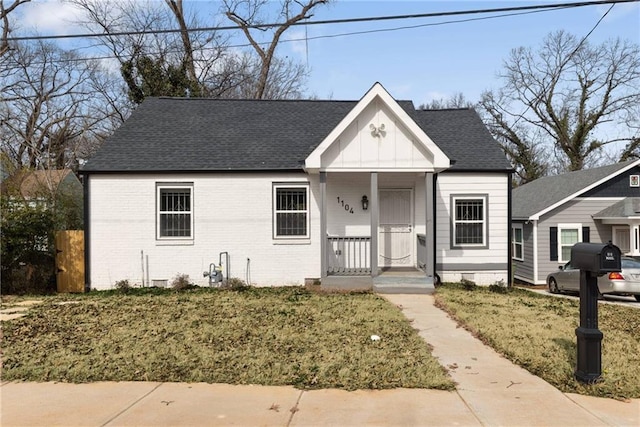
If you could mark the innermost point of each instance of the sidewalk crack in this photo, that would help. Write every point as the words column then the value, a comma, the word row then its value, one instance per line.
column 295, row 408
column 469, row 408
column 130, row 406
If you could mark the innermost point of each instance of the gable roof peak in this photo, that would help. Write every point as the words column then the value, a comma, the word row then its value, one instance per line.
column 538, row 197
column 440, row 161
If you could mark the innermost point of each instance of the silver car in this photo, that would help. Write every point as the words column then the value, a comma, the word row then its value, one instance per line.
column 567, row 279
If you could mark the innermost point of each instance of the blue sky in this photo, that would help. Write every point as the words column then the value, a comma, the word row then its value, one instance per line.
column 437, row 61
column 419, row 64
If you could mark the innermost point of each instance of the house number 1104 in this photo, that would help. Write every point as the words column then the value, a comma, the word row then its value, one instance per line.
column 345, row 205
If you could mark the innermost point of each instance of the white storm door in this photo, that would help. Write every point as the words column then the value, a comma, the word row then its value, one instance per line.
column 395, row 248
column 622, row 238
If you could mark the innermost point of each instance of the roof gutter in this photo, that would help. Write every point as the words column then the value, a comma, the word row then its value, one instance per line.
column 186, row 171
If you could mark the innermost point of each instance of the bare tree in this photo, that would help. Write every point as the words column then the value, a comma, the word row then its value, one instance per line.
column 521, row 144
column 6, row 29
column 458, row 100
column 248, row 15
column 55, row 106
column 563, row 93
column 178, row 13
column 187, row 63
column 632, row 150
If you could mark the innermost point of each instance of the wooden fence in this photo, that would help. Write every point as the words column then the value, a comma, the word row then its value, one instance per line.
column 70, row 260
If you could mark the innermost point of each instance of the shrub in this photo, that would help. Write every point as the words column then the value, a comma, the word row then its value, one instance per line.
column 499, row 287
column 28, row 264
column 468, row 285
column 123, row 286
column 236, row 283
column 181, row 282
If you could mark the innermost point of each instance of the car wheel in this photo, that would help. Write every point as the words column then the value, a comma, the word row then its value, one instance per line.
column 637, row 297
column 553, row 286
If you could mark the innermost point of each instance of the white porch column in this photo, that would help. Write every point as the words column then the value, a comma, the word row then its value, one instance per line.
column 373, row 208
column 323, row 225
column 430, row 240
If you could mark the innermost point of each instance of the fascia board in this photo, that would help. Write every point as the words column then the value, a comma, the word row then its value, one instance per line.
column 537, row 215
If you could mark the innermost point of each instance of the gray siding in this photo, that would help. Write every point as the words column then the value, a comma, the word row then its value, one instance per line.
column 575, row 211
column 618, row 186
column 523, row 270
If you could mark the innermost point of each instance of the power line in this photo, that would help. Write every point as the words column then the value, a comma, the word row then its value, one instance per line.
column 326, row 36
column 566, row 60
column 334, row 21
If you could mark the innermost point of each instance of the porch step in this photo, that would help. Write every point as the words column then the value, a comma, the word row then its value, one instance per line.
column 389, row 284
column 346, row 283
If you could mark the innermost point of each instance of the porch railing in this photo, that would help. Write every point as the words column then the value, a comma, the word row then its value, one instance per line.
column 421, row 252
column 349, row 255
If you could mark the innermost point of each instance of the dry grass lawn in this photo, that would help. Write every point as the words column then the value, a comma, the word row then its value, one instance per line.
column 538, row 333
column 274, row 336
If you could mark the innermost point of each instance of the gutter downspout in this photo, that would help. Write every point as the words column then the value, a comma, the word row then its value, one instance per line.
column 87, row 232
column 509, row 231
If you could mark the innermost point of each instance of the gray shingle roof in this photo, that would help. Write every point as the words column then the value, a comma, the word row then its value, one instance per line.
column 625, row 208
column 463, row 137
column 195, row 134
column 532, row 198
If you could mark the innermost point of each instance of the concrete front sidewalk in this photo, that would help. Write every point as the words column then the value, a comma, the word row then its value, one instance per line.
column 491, row 391
column 180, row 404
column 499, row 392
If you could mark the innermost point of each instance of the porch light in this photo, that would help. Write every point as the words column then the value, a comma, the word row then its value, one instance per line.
column 365, row 203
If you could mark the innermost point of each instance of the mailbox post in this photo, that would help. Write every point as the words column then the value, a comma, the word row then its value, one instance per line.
column 593, row 260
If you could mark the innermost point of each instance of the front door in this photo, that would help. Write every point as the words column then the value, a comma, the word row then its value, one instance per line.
column 395, row 228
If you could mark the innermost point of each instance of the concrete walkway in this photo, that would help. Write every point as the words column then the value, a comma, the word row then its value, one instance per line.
column 17, row 310
column 491, row 392
column 498, row 392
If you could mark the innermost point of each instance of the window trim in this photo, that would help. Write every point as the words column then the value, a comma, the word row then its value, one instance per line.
column 514, row 243
column 485, row 222
column 274, row 213
column 568, row 226
column 175, row 185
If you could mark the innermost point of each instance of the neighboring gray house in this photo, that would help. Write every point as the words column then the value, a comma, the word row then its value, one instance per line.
column 551, row 214
column 296, row 190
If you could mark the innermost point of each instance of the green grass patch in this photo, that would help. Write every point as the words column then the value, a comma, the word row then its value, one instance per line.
column 268, row 336
column 537, row 332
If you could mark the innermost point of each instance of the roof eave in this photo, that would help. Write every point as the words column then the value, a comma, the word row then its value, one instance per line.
column 192, row 171
column 548, row 209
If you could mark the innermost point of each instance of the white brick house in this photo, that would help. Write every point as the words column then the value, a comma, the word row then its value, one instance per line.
column 281, row 186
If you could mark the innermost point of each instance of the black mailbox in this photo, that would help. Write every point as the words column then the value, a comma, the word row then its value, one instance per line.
column 598, row 258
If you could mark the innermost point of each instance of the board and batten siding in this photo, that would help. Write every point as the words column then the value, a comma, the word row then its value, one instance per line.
column 232, row 213
column 576, row 211
column 481, row 265
column 393, row 147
